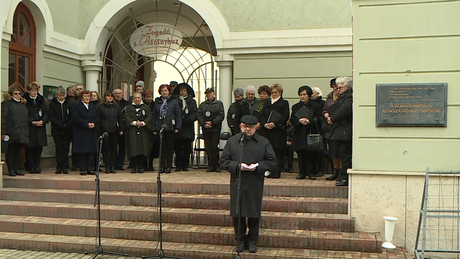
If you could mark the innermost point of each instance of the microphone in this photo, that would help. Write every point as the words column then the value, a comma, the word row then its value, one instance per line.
column 163, row 127
column 243, row 136
column 104, row 135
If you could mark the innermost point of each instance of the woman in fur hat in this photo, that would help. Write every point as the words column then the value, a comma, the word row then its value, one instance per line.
column 15, row 127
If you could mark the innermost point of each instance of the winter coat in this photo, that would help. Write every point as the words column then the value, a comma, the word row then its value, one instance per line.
column 84, row 138
column 110, row 118
column 173, row 118
column 277, row 135
column 15, row 120
column 60, row 116
column 342, row 118
column 234, row 117
column 38, row 111
column 256, row 149
column 300, row 130
column 138, row 139
column 189, row 115
column 211, row 111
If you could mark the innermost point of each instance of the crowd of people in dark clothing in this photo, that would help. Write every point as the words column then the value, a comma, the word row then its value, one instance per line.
column 144, row 128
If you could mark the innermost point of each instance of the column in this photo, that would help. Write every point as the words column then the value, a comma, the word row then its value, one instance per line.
column 92, row 69
column 225, row 88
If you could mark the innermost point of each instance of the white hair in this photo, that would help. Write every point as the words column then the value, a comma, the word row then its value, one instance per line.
column 250, row 88
column 316, row 89
column 347, row 81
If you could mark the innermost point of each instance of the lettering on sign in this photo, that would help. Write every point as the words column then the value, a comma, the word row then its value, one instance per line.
column 155, row 39
column 421, row 104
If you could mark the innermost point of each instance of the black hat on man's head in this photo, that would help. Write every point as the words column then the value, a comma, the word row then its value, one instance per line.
column 249, row 120
column 208, row 90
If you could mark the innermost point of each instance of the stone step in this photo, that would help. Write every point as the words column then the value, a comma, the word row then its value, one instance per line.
column 216, row 235
column 61, row 243
column 184, row 183
column 194, row 201
column 208, row 217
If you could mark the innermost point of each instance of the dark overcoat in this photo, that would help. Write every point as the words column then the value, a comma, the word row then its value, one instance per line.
column 138, row 140
column 84, row 138
column 189, row 116
column 60, row 116
column 38, row 111
column 277, row 135
column 15, row 120
column 342, row 117
column 256, row 149
column 173, row 118
column 211, row 111
column 110, row 118
column 300, row 131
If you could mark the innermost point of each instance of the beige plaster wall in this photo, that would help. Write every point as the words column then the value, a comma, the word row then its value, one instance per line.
column 400, row 41
column 266, row 15
column 291, row 70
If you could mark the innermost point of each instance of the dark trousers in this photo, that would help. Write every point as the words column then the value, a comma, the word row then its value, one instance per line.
column 183, row 149
column 345, row 153
column 279, row 154
column 138, row 162
column 211, row 143
column 109, row 150
column 33, row 156
column 120, row 161
column 306, row 161
column 289, row 157
column 62, row 151
column 85, row 161
column 252, row 224
column 12, row 156
column 167, row 149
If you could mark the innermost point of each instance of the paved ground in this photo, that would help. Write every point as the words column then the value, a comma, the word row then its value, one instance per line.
column 20, row 254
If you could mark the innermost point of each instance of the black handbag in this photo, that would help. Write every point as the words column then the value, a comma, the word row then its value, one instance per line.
column 314, row 142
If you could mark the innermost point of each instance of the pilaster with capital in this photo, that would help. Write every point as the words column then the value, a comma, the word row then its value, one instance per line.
column 92, row 69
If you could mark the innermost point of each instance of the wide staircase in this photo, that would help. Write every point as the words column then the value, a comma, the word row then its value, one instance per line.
column 300, row 219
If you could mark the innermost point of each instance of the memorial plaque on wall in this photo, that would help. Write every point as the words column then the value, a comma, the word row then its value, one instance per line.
column 411, row 104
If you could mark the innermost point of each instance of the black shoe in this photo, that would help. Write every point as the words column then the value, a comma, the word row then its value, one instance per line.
column 82, row 172
column 342, row 183
column 319, row 174
column 119, row 168
column 58, row 172
column 177, row 169
column 113, row 170
column 32, row 171
column 218, row 169
column 17, row 172
column 211, row 169
column 334, row 175
column 141, row 170
column 301, row 176
column 65, row 171
column 311, row 177
column 37, row 170
column 12, row 173
column 74, row 168
column 91, row 172
column 133, row 170
column 240, row 247
column 252, row 248
column 185, row 169
column 282, row 170
column 168, row 170
column 272, row 175
column 290, row 169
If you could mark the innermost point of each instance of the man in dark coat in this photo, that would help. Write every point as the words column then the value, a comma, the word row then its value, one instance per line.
column 210, row 116
column 121, row 154
column 341, row 117
column 258, row 156
column 60, row 115
column 233, row 113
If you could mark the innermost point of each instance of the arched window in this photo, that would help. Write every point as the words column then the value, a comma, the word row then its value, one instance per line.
column 21, row 69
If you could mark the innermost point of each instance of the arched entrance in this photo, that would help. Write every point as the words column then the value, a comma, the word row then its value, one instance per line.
column 157, row 43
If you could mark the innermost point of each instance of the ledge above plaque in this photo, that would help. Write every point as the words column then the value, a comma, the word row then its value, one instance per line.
column 411, row 105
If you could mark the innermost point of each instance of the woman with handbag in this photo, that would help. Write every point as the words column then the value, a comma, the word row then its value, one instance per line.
column 303, row 118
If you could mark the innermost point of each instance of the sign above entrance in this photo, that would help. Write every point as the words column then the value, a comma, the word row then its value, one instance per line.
column 155, row 39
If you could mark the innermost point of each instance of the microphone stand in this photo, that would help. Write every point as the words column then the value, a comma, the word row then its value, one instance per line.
column 97, row 201
column 238, row 199
column 161, row 253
